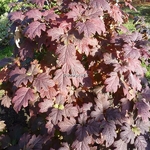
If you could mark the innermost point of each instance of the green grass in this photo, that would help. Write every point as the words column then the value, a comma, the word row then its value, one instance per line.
column 6, row 52
column 142, row 10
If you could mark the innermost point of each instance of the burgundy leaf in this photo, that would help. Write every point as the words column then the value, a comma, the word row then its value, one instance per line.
column 83, row 45
column 34, row 13
column 91, row 26
column 131, row 52
column 140, row 143
column 58, row 112
column 6, row 101
column 24, row 140
column 76, row 12
column 93, row 127
column 23, row 95
column 97, row 113
column 66, row 52
column 34, row 68
column 135, row 66
column 135, row 82
column 109, row 132
column 143, row 110
column 109, row 58
column 26, row 49
column 40, row 3
column 36, row 142
column 71, row 111
column 43, row 81
column 112, row 82
column 63, row 81
column 15, row 16
column 34, row 29
column 50, row 127
column 82, row 145
column 100, row 4
column 20, row 76
column 49, row 93
column 50, row 15
column 45, row 105
column 127, row 135
column 143, row 126
column 120, row 145
column 116, row 14
column 67, row 125
column 65, row 147
column 55, row 33
column 125, row 106
column 56, row 115
column 93, row 13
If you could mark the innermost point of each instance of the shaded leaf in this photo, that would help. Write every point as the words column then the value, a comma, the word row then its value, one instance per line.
column 67, row 125
column 109, row 132
column 45, row 105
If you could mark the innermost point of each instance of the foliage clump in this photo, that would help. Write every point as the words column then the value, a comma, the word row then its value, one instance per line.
column 79, row 81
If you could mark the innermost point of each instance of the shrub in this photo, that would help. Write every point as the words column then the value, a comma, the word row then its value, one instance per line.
column 79, row 82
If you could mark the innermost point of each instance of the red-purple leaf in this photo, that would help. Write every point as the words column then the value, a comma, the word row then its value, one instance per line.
column 131, row 52
column 67, row 125
column 100, row 4
column 50, row 15
column 76, row 12
column 66, row 52
column 84, row 45
column 120, row 145
column 109, row 132
column 34, row 68
column 34, row 13
column 143, row 110
column 140, row 143
column 116, row 14
column 43, row 82
column 112, row 82
column 40, row 3
column 45, row 105
column 65, row 146
column 34, row 29
column 135, row 82
column 23, row 95
column 71, row 111
column 56, row 115
column 6, row 101
column 127, row 135
column 49, row 93
column 36, row 142
column 15, row 16
column 90, row 27
column 20, row 76
column 55, row 33
column 82, row 145
column 63, row 81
